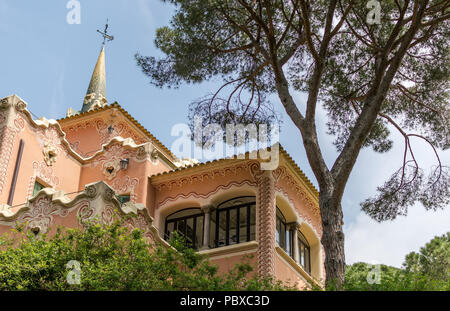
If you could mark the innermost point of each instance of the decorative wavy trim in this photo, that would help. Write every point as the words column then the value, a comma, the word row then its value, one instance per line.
column 205, row 195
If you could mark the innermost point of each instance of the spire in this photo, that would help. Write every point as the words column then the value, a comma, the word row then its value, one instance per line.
column 96, row 92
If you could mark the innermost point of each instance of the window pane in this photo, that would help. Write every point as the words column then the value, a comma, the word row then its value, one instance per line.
column 233, row 232
column 307, row 260
column 123, row 198
column 185, row 213
column 243, row 224
column 169, row 230
column 37, row 187
column 190, row 231
column 253, row 222
column 283, row 236
column 303, row 239
column 301, row 249
column 222, row 228
column 288, row 243
column 237, row 201
column 212, row 230
column 199, row 233
column 240, row 227
column 181, row 227
column 278, row 230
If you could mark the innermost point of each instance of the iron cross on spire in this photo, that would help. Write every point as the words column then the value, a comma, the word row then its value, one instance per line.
column 105, row 34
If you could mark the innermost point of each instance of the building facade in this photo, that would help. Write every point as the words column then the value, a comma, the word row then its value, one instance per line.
column 99, row 161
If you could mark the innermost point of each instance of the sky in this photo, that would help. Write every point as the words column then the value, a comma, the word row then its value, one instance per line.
column 48, row 63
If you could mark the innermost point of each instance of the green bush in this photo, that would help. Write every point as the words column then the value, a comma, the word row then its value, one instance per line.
column 111, row 257
column 424, row 271
column 361, row 277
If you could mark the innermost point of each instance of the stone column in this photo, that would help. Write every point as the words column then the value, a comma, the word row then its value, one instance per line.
column 294, row 227
column 266, row 224
column 207, row 209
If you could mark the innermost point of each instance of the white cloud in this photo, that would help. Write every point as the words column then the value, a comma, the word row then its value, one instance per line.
column 389, row 242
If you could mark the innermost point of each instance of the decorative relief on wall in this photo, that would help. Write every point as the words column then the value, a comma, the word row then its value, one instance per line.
column 281, row 175
column 266, row 225
column 103, row 129
column 110, row 159
column 126, row 185
column 143, row 223
column 307, row 219
column 42, row 210
column 208, row 176
column 107, row 214
column 100, row 102
column 8, row 134
column 50, row 141
column 44, row 173
column 75, row 145
column 50, row 153
column 204, row 195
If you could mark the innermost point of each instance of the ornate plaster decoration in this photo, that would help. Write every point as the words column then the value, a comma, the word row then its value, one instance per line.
column 186, row 162
column 206, row 176
column 48, row 131
column 126, row 185
column 99, row 102
column 266, row 224
column 39, row 212
column 96, row 202
column 50, row 153
column 40, row 215
column 101, row 124
column 307, row 219
column 44, row 173
column 8, row 132
column 281, row 175
column 117, row 149
column 204, row 195
column 110, row 168
column 71, row 112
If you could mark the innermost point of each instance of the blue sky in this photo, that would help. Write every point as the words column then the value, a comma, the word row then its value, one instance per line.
column 48, row 63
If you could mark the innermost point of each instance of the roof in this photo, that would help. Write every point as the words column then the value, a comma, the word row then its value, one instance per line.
column 128, row 116
column 288, row 158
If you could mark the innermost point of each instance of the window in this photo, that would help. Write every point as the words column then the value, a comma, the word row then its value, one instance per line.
column 304, row 253
column 123, row 198
column 189, row 224
column 234, row 221
column 283, row 235
column 37, row 187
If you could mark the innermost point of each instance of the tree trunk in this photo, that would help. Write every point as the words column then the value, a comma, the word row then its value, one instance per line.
column 332, row 238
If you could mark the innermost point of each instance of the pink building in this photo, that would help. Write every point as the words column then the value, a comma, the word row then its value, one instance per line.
column 100, row 160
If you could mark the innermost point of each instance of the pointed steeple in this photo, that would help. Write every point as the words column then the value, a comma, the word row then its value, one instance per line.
column 96, row 92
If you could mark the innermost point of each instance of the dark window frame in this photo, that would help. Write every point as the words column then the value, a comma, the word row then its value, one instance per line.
column 306, row 246
column 185, row 218
column 226, row 210
column 124, row 198
column 283, row 225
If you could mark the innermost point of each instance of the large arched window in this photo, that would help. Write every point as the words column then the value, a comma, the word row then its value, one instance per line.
column 234, row 221
column 304, row 253
column 188, row 223
column 283, row 235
